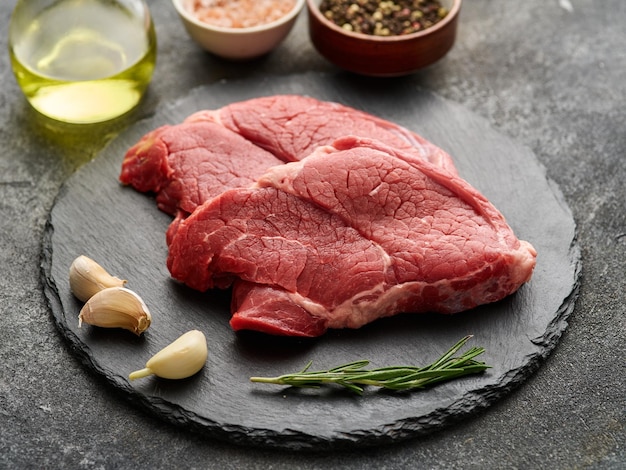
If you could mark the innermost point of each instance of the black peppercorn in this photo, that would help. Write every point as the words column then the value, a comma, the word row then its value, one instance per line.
column 383, row 18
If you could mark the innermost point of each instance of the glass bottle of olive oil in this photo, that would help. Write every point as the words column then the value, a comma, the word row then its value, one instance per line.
column 82, row 61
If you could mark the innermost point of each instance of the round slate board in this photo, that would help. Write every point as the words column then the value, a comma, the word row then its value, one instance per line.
column 123, row 230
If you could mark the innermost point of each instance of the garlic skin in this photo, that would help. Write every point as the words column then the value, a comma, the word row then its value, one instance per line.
column 181, row 359
column 87, row 278
column 116, row 307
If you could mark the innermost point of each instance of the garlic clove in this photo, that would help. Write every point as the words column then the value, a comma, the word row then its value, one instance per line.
column 87, row 278
column 116, row 307
column 181, row 359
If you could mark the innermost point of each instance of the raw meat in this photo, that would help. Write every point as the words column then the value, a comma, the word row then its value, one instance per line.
column 252, row 302
column 187, row 165
column 354, row 232
column 292, row 126
column 190, row 164
column 213, row 151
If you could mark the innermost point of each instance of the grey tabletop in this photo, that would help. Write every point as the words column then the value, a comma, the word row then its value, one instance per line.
column 549, row 74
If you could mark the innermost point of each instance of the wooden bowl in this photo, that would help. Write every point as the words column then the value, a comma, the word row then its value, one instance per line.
column 383, row 56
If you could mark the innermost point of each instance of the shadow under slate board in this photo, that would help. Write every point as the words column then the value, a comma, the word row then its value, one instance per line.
column 124, row 231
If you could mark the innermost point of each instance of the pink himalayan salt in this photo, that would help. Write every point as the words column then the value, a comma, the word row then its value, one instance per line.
column 240, row 13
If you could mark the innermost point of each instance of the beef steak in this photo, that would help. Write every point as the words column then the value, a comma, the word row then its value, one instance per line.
column 212, row 151
column 292, row 126
column 188, row 165
column 354, row 232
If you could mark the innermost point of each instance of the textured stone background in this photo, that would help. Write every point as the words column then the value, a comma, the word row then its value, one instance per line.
column 549, row 73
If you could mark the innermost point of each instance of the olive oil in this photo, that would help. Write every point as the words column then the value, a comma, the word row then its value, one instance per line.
column 83, row 61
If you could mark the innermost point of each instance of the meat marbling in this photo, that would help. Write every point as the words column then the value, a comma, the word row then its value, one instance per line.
column 354, row 232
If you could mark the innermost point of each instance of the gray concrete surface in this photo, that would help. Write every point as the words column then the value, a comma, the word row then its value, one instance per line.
column 549, row 73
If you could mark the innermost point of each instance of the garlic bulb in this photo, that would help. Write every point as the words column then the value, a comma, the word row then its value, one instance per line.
column 181, row 359
column 116, row 307
column 87, row 278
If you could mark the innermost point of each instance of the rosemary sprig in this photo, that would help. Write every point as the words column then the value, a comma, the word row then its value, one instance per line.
column 355, row 377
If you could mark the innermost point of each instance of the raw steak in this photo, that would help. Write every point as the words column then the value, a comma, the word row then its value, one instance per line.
column 292, row 126
column 189, row 164
column 212, row 151
column 352, row 233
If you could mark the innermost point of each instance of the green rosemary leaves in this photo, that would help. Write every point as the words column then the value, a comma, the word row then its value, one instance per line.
column 355, row 377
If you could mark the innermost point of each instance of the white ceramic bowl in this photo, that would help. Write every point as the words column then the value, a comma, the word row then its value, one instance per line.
column 238, row 43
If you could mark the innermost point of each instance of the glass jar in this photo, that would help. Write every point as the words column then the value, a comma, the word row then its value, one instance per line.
column 82, row 61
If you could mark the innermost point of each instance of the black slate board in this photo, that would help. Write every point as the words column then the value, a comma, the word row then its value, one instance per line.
column 124, row 231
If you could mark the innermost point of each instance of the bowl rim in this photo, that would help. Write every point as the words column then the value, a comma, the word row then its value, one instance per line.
column 313, row 8
column 182, row 11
